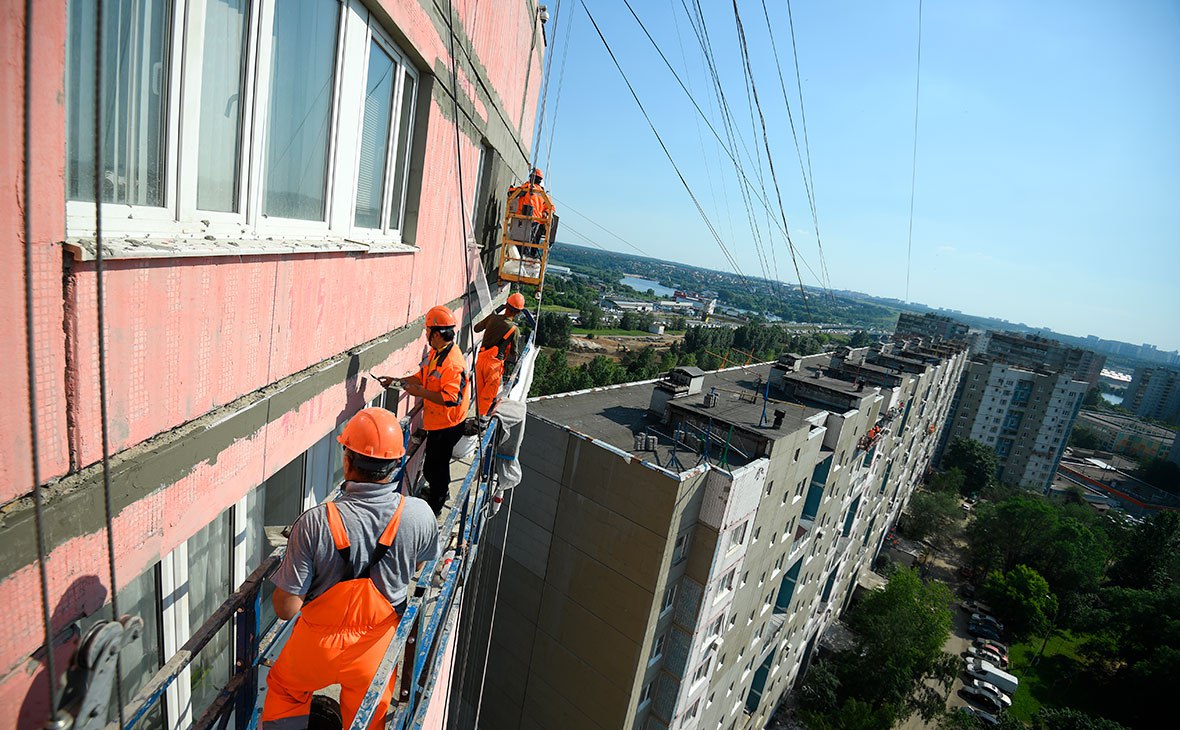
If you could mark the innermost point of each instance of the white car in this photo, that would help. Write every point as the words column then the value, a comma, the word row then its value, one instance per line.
column 987, row 618
column 1004, row 699
column 986, row 654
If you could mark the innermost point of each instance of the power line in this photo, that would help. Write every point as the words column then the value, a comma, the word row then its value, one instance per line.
column 769, row 158
column 804, row 168
column 914, row 163
column 567, row 206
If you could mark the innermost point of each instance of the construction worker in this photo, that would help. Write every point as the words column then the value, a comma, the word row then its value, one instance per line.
column 441, row 383
column 531, row 199
column 498, row 346
column 346, row 571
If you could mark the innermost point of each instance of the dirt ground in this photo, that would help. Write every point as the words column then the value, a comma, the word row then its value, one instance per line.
column 583, row 349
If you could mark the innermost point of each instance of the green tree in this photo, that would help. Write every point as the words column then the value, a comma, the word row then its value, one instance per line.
column 1150, row 554
column 1084, row 438
column 1068, row 718
column 1161, row 473
column 977, row 461
column 1093, row 398
column 678, row 324
column 590, row 316
column 553, row 330
column 952, row 481
column 860, row 338
column 902, row 629
column 932, row 514
column 1022, row 598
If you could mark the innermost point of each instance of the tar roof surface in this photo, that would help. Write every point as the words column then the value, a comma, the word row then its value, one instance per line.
column 615, row 415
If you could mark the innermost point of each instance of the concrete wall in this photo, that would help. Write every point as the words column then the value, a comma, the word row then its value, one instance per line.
column 221, row 369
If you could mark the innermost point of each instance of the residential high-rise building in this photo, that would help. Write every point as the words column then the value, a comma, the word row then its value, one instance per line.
column 1036, row 352
column 931, row 326
column 1025, row 415
column 278, row 184
column 677, row 548
column 1154, row 393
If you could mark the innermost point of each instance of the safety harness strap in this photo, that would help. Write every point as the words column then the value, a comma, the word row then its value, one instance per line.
column 340, row 538
column 386, row 540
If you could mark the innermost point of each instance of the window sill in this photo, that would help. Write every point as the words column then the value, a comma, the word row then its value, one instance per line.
column 123, row 247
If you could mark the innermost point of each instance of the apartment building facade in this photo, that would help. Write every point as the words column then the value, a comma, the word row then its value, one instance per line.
column 280, row 204
column 1154, row 393
column 1128, row 435
column 1024, row 415
column 677, row 548
column 931, row 326
column 1034, row 351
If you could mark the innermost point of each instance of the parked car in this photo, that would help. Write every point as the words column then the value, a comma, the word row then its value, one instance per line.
column 986, row 631
column 973, row 606
column 998, row 649
column 985, row 618
column 990, row 673
column 986, row 654
column 982, row 697
column 1004, row 699
column 986, row 718
column 995, row 645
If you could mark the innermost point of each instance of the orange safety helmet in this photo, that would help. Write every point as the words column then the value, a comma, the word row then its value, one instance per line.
column 439, row 316
column 376, row 433
column 538, row 174
column 516, row 301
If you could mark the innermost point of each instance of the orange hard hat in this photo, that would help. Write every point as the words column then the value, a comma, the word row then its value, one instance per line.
column 374, row 432
column 439, row 316
column 538, row 174
column 516, row 301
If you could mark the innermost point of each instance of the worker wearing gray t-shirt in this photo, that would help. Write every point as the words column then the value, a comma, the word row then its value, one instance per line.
column 347, row 570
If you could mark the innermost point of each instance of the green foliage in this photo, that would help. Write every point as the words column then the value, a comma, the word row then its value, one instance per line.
column 977, row 461
column 1092, row 399
column 1151, row 554
column 1021, row 597
column 860, row 338
column 553, row 330
column 952, row 481
column 902, row 629
column 932, row 515
column 590, row 315
column 1161, row 473
column 1065, row 718
column 1084, row 438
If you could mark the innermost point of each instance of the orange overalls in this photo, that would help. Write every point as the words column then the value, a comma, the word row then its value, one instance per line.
column 489, row 371
column 340, row 638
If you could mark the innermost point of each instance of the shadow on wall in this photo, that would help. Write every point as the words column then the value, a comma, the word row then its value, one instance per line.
column 83, row 598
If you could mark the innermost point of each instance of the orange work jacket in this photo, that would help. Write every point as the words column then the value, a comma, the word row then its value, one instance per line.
column 445, row 372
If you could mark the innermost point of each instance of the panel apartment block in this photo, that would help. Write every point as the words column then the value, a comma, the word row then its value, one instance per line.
column 1154, row 393
column 677, row 548
column 1025, row 415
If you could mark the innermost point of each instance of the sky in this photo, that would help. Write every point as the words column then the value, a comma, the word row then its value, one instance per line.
column 1047, row 186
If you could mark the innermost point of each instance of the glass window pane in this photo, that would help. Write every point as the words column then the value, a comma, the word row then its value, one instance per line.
column 208, row 585
column 404, row 135
column 303, row 62
column 134, row 100
column 370, row 184
column 271, row 507
column 223, row 61
column 139, row 660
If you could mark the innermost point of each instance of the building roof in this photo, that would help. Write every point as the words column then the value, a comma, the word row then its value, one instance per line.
column 614, row 415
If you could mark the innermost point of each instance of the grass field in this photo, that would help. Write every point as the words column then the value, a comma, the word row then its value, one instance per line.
column 1056, row 679
column 557, row 308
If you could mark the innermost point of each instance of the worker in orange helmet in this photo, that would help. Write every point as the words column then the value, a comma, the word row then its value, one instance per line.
column 441, row 383
column 346, row 573
column 497, row 348
column 531, row 199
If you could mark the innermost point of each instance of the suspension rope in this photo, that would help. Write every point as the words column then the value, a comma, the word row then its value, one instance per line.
column 667, row 153
column 565, row 48
column 909, row 246
column 483, row 675
column 30, row 364
column 102, row 358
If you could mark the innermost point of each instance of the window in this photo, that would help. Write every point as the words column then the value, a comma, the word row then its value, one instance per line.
column 715, row 629
column 702, row 670
column 300, row 130
column 737, row 536
column 680, row 550
column 669, row 597
column 657, row 648
column 769, row 486
column 692, row 711
column 645, row 695
column 725, row 585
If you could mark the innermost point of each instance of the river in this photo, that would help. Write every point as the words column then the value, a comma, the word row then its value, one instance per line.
column 640, row 284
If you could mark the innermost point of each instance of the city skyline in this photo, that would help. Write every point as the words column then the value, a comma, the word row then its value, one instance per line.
column 1046, row 157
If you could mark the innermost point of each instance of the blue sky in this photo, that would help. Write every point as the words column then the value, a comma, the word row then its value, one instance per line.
column 1048, row 174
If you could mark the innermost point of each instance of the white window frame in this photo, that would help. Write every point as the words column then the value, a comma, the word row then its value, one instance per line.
column 183, row 227
column 646, row 694
column 657, row 649
column 669, row 599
